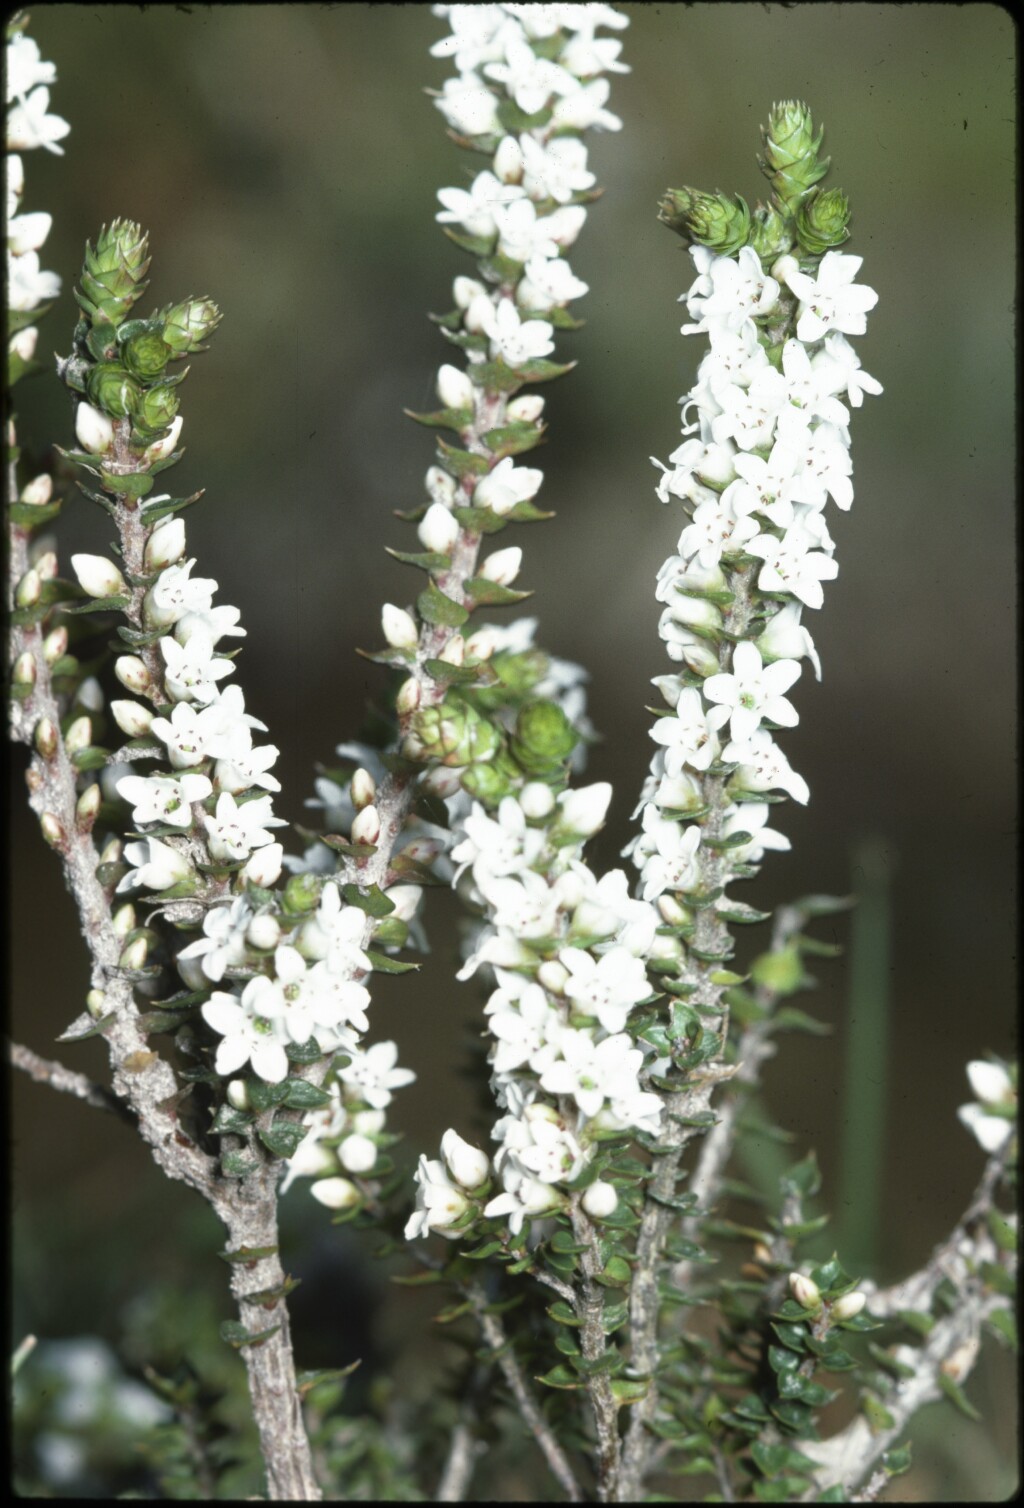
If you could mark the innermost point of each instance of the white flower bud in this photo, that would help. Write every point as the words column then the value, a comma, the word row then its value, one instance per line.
column 123, row 920
column 94, row 431
column 29, row 590
column 508, row 160
column 87, row 807
column 848, row 1306
column 408, row 698
column 366, row 825
column 438, row 529
column 454, row 387
column 525, row 410
column 24, row 343
column 112, row 851
column 95, row 1003
column 454, row 652
column 441, row 486
column 805, row 1291
column 97, row 576
column 79, row 735
column 537, row 1197
column 132, row 718
column 132, row 673
column 600, row 1200
column 783, row 266
column 399, row 627
column 335, row 1193
column 237, row 1094
column 38, row 492
column 553, row 975
column 368, row 1122
column 695, row 611
column 24, row 672
column 666, row 947
column 537, row 800
column 166, row 544
column 467, row 1164
column 583, row 811
column 135, row 954
column 671, row 911
column 263, row 932
column 482, row 644
column 161, row 449
column 357, row 1154
column 503, row 566
column 55, row 645
column 479, row 315
column 264, row 868
column 405, row 899
column 363, row 789
column 465, row 290
column 442, row 781
column 90, row 694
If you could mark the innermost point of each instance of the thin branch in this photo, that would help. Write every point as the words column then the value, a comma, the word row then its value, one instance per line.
column 49, row 1071
column 463, row 1447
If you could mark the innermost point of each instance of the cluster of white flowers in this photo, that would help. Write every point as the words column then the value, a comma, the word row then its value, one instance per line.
column 767, row 445
column 991, row 1119
column 29, row 125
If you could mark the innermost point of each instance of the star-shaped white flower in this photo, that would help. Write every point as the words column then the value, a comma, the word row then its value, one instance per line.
column 831, row 301
column 246, row 1039
column 752, row 691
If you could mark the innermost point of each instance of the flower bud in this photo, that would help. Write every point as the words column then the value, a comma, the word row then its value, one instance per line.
column 302, row 893
column 508, row 160
column 467, row 1165
column 357, row 1154
column 582, row 812
column 454, row 387
column 98, row 576
column 440, row 486
column 24, row 671
column 366, row 825
column 113, row 851
column 237, row 1094
column 672, row 913
column 553, row 975
column 166, row 544
column 145, row 354
column 55, row 645
column 52, row 830
column 363, row 789
column 503, row 566
column 805, row 1291
column 134, row 955
column 38, row 492
column 823, row 221
column 479, row 314
column 90, row 695
column 95, row 1003
column 848, row 1306
column 600, row 1200
column 123, row 920
column 161, row 449
column 157, row 406
column 526, row 409
column 439, row 529
column 465, row 290
column 694, row 612
column 263, row 932
column 79, row 735
column 406, row 901
column 487, row 783
column 710, row 220
column 114, row 270
column 369, row 1122
column 46, row 565
column 408, row 698
column 132, row 718
column 770, row 234
column 335, row 1193
column 24, row 343
column 454, row 652
column 29, row 589
column 132, row 673
column 264, row 868
column 113, row 390
column 543, row 737
column 46, row 738
column 190, row 323
column 453, row 733
column 399, row 627
column 537, row 800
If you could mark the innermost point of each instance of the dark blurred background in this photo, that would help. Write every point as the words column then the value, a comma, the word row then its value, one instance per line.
column 286, row 160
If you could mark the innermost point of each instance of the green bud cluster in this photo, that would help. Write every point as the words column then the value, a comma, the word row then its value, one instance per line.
column 454, row 734
column 543, row 738
column 823, row 220
column 790, row 161
column 121, row 364
column 710, row 220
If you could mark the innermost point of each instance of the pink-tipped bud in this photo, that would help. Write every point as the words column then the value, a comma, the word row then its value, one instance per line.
column 454, row 651
column 408, row 698
column 366, row 825
column 526, row 410
column 440, row 486
column 132, row 673
column 24, row 671
column 98, row 576
column 465, row 290
column 87, row 807
column 29, row 590
column 52, row 830
column 363, row 789
column 38, row 492
column 399, row 627
column 503, row 566
column 805, row 1291
column 46, row 738
column 132, row 718
column 79, row 735
column 55, row 645
column 264, row 868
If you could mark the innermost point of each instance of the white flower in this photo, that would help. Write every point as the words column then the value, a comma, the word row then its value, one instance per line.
column 439, row 1202
column 748, row 414
column 530, row 80
column 731, row 291
column 336, row 934
column 786, row 638
column 174, row 594
column 191, row 670
column 531, row 1197
column 373, row 1075
column 591, row 1073
column 526, row 1028
column 831, row 301
column 247, row 1039
column 585, row 107
column 25, row 67
column 27, row 233
column 478, row 35
column 161, row 798
column 688, row 738
column 223, row 945
column 547, row 282
column 235, row 830
column 823, row 462
column 473, row 208
column 752, row 817
column 522, row 233
column 606, row 987
column 213, row 622
column 666, row 854
column 247, row 768
column 526, row 906
column 585, row 55
column 225, row 725
column 792, row 565
column 29, row 124
column 837, row 367
column 469, row 106
column 994, row 1088
column 157, row 866
column 555, row 170
column 721, row 525
column 506, row 485
column 468, row 1165
column 582, row 811
column 752, row 691
column 295, row 999
column 496, row 847
column 764, row 767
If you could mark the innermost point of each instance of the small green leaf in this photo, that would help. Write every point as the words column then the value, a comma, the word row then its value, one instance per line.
column 917, row 1320
column 238, row 1164
column 1003, row 1325
column 434, row 607
column 461, row 463
column 513, row 439
column 306, row 1381
column 617, row 1273
column 896, row 1462
column 247, row 1254
column 956, row 1395
column 486, row 593
column 561, row 1377
column 424, row 560
column 370, row 899
column 382, row 964
column 135, row 484
column 443, row 418
column 303, row 1096
column 282, row 1139
column 563, row 1314
column 626, row 1390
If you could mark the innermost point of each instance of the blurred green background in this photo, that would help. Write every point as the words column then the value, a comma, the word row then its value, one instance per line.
column 286, row 160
